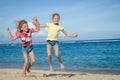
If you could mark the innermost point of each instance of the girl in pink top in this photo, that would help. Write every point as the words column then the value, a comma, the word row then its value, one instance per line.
column 25, row 34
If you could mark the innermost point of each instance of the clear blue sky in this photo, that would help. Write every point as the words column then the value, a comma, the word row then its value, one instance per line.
column 90, row 19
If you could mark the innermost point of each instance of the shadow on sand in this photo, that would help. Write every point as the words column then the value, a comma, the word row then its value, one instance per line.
column 61, row 75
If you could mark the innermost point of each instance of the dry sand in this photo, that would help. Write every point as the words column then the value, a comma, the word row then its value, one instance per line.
column 16, row 74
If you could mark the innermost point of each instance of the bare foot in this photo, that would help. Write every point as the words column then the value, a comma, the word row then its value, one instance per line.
column 24, row 74
column 29, row 73
column 62, row 66
column 51, row 69
column 28, row 70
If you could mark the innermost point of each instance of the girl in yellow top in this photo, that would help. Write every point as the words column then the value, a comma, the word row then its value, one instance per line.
column 52, row 38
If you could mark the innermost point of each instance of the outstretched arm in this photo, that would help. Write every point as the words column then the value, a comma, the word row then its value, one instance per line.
column 68, row 34
column 37, row 24
column 10, row 35
column 43, row 26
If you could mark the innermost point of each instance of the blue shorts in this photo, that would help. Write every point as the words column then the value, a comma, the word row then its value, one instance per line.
column 52, row 43
column 27, row 49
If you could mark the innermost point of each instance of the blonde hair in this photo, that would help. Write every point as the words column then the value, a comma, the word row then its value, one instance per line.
column 19, row 25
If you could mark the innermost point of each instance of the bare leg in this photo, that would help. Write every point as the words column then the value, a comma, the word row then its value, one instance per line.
column 56, row 48
column 25, row 55
column 32, row 56
column 49, row 48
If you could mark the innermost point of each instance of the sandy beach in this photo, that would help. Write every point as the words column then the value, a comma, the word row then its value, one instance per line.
column 16, row 74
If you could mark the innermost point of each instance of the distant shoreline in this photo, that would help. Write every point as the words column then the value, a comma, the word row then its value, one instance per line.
column 73, row 41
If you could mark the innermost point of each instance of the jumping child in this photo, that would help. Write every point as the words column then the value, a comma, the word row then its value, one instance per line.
column 25, row 34
column 52, row 38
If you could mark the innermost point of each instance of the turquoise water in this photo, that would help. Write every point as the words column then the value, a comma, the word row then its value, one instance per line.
column 76, row 56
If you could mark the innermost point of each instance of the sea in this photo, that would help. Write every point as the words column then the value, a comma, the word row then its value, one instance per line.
column 80, row 55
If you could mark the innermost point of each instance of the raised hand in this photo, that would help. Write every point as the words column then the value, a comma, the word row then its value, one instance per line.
column 35, row 20
column 8, row 30
column 75, row 35
column 36, row 23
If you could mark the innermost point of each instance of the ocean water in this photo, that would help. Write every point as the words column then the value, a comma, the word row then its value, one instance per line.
column 76, row 56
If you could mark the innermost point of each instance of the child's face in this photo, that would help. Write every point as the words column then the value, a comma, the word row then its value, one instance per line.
column 56, row 19
column 24, row 27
